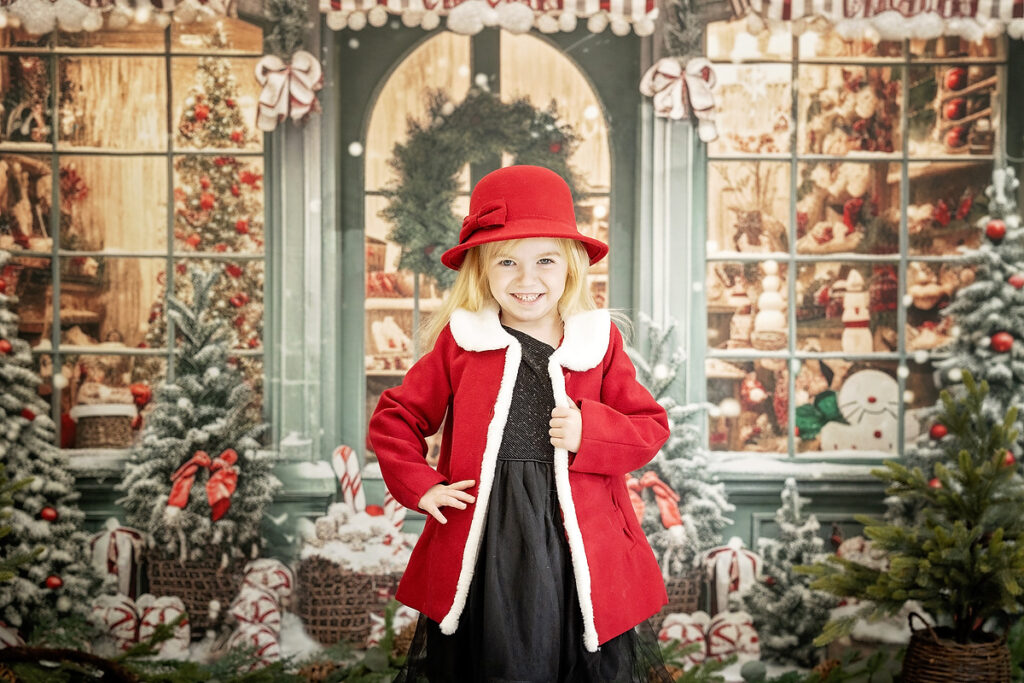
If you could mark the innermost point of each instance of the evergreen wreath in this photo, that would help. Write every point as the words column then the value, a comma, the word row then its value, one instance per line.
column 420, row 203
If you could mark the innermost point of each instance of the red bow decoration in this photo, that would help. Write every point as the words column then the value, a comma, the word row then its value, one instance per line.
column 221, row 484
column 666, row 499
column 490, row 215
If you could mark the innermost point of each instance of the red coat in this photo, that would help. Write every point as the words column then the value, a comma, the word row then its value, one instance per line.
column 470, row 375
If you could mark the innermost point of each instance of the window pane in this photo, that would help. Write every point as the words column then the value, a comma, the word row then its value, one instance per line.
column 751, row 400
column 25, row 198
column 930, row 288
column 748, row 206
column 849, row 409
column 848, row 207
column 847, row 108
column 753, row 104
column 951, row 109
column 136, row 37
column 218, row 204
column 225, row 34
column 441, row 63
column 114, row 103
column 25, row 89
column 29, row 279
column 215, row 103
column 747, row 306
column 113, row 203
column 847, row 307
column 237, row 296
column 947, row 199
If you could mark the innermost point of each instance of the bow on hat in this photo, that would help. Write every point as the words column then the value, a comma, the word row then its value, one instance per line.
column 219, row 487
column 677, row 92
column 490, row 215
column 666, row 499
column 288, row 89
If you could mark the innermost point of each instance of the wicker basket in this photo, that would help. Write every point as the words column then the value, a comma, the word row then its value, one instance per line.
column 335, row 603
column 683, row 596
column 103, row 426
column 932, row 658
column 197, row 583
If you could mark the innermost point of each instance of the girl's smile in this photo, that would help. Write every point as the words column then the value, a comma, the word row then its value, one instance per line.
column 527, row 279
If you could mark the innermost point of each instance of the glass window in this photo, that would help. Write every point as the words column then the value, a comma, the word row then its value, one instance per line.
column 144, row 162
column 836, row 222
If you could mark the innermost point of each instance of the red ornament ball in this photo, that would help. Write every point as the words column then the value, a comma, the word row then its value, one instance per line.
column 242, row 226
column 374, row 510
column 5, row 346
column 555, row 147
column 28, row 414
column 49, row 514
column 1008, row 459
column 1002, row 342
column 1017, row 280
column 995, row 230
column 935, row 483
column 53, row 582
column 956, row 78
column 938, row 431
column 955, row 109
column 193, row 240
column 956, row 136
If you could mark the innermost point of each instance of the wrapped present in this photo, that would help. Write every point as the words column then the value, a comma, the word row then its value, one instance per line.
column 9, row 636
column 117, row 617
column 261, row 639
column 256, row 605
column 154, row 611
column 117, row 551
column 688, row 629
column 733, row 633
column 272, row 575
column 731, row 569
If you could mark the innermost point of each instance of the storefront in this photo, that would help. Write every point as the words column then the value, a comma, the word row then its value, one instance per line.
column 806, row 249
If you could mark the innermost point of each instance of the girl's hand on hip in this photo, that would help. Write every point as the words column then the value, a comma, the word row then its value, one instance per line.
column 566, row 428
column 441, row 495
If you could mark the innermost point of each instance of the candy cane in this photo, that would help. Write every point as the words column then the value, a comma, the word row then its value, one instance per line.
column 346, row 467
column 394, row 510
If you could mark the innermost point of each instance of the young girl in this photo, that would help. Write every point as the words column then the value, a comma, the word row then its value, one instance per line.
column 531, row 566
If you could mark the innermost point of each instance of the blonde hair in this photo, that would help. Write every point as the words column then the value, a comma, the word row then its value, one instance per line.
column 472, row 290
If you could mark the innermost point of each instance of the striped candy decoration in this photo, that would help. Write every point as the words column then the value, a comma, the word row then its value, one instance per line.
column 394, row 510
column 346, row 468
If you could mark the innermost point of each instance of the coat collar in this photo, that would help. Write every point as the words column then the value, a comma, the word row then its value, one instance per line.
column 583, row 346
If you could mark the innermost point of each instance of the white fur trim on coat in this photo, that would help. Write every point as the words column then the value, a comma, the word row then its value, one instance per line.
column 585, row 342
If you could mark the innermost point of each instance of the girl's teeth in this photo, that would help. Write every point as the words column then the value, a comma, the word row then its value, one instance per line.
column 527, row 297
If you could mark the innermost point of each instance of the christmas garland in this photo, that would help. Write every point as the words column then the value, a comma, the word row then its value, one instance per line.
column 482, row 127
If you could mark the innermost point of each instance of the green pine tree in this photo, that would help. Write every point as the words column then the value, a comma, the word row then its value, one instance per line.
column 964, row 561
column 45, row 521
column 787, row 613
column 10, row 561
column 683, row 462
column 205, row 408
column 990, row 305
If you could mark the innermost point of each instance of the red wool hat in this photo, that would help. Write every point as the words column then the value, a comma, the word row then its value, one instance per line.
column 517, row 202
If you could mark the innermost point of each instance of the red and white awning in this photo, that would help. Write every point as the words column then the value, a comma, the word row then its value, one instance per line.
column 897, row 19
column 518, row 16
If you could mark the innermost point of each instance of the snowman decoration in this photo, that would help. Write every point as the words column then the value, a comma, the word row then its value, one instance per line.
column 856, row 337
column 869, row 402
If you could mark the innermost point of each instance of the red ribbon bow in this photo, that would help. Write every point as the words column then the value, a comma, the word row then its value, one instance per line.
column 490, row 215
column 219, row 487
column 666, row 499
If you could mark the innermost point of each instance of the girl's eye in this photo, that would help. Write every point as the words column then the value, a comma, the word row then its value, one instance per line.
column 546, row 261
column 506, row 262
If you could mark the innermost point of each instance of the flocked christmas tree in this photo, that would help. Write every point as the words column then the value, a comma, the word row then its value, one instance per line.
column 197, row 482
column 693, row 496
column 989, row 313
column 44, row 518
column 963, row 561
column 787, row 613
column 218, row 208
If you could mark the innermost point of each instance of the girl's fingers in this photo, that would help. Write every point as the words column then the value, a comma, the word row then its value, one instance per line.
column 461, row 485
column 436, row 514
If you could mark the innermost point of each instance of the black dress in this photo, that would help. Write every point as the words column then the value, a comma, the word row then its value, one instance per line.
column 522, row 620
